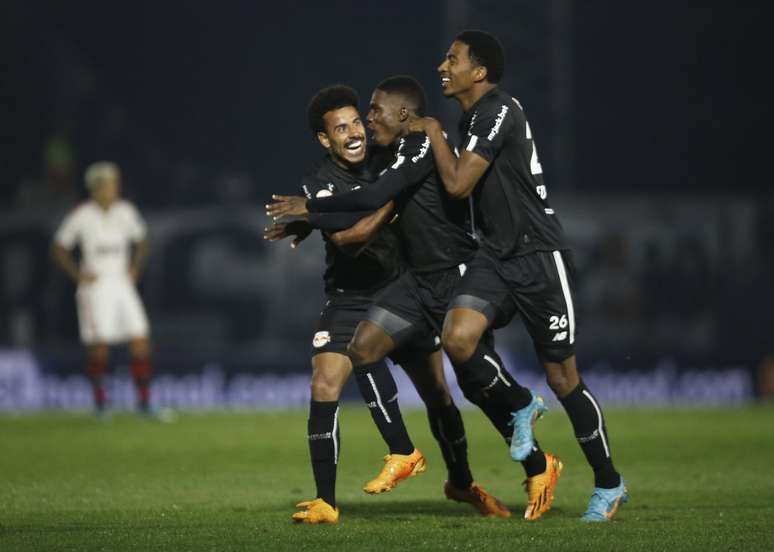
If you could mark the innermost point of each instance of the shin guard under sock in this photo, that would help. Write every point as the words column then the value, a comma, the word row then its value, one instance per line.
column 381, row 395
column 448, row 429
column 323, row 432
column 589, row 426
column 486, row 383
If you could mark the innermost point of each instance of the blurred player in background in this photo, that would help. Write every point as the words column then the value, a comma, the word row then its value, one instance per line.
column 112, row 239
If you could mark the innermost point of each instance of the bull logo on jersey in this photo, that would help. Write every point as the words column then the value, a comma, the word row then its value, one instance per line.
column 321, row 339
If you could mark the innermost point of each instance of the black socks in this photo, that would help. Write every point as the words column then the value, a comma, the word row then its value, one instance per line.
column 487, row 384
column 380, row 393
column 589, row 425
column 323, row 431
column 448, row 429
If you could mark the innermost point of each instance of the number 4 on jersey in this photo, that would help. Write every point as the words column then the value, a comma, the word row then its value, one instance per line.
column 534, row 163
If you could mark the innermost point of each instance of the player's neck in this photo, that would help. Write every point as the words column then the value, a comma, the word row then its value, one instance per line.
column 349, row 167
column 469, row 98
column 105, row 206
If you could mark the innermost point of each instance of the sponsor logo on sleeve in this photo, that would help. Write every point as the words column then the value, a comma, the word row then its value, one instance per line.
column 424, row 148
column 498, row 122
column 472, row 122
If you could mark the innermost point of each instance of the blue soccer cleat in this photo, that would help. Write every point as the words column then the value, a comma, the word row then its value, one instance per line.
column 522, row 420
column 604, row 503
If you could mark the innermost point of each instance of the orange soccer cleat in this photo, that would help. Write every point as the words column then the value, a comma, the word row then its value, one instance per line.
column 397, row 467
column 476, row 496
column 540, row 488
column 316, row 511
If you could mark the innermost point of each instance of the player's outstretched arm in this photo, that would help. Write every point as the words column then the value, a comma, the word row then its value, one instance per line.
column 286, row 206
column 459, row 175
column 334, row 222
column 298, row 229
column 364, row 230
column 367, row 198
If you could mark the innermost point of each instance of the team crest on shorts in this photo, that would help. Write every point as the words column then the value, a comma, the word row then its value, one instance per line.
column 320, row 339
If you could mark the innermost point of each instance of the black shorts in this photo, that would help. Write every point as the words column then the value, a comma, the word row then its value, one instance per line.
column 538, row 286
column 415, row 304
column 339, row 319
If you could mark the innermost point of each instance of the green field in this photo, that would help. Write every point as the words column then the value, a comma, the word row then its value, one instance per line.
column 699, row 480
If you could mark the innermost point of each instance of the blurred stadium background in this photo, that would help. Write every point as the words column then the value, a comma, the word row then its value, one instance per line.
column 652, row 121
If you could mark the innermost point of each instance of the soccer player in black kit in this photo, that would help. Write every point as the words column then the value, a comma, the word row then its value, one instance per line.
column 437, row 243
column 524, row 264
column 363, row 258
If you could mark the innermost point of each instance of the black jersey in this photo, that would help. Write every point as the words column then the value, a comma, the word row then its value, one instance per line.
column 379, row 262
column 511, row 209
column 430, row 225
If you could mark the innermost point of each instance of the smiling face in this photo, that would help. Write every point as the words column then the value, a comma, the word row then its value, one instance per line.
column 458, row 71
column 344, row 136
column 386, row 117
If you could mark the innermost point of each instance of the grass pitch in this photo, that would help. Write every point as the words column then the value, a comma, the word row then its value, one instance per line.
column 699, row 480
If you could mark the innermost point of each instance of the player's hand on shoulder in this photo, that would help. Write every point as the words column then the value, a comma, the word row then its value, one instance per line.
column 424, row 124
column 280, row 230
column 286, row 206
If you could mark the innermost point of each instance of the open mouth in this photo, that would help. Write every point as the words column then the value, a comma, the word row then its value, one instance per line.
column 445, row 82
column 354, row 146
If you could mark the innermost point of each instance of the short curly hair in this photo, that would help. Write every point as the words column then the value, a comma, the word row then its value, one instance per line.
column 328, row 99
column 486, row 51
column 409, row 88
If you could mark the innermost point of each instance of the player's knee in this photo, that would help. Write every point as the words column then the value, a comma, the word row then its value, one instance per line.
column 369, row 344
column 561, row 374
column 324, row 388
column 361, row 352
column 99, row 353
column 140, row 349
column 559, row 383
column 459, row 342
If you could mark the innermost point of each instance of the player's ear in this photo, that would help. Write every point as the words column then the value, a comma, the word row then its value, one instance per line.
column 324, row 140
column 480, row 73
column 403, row 114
